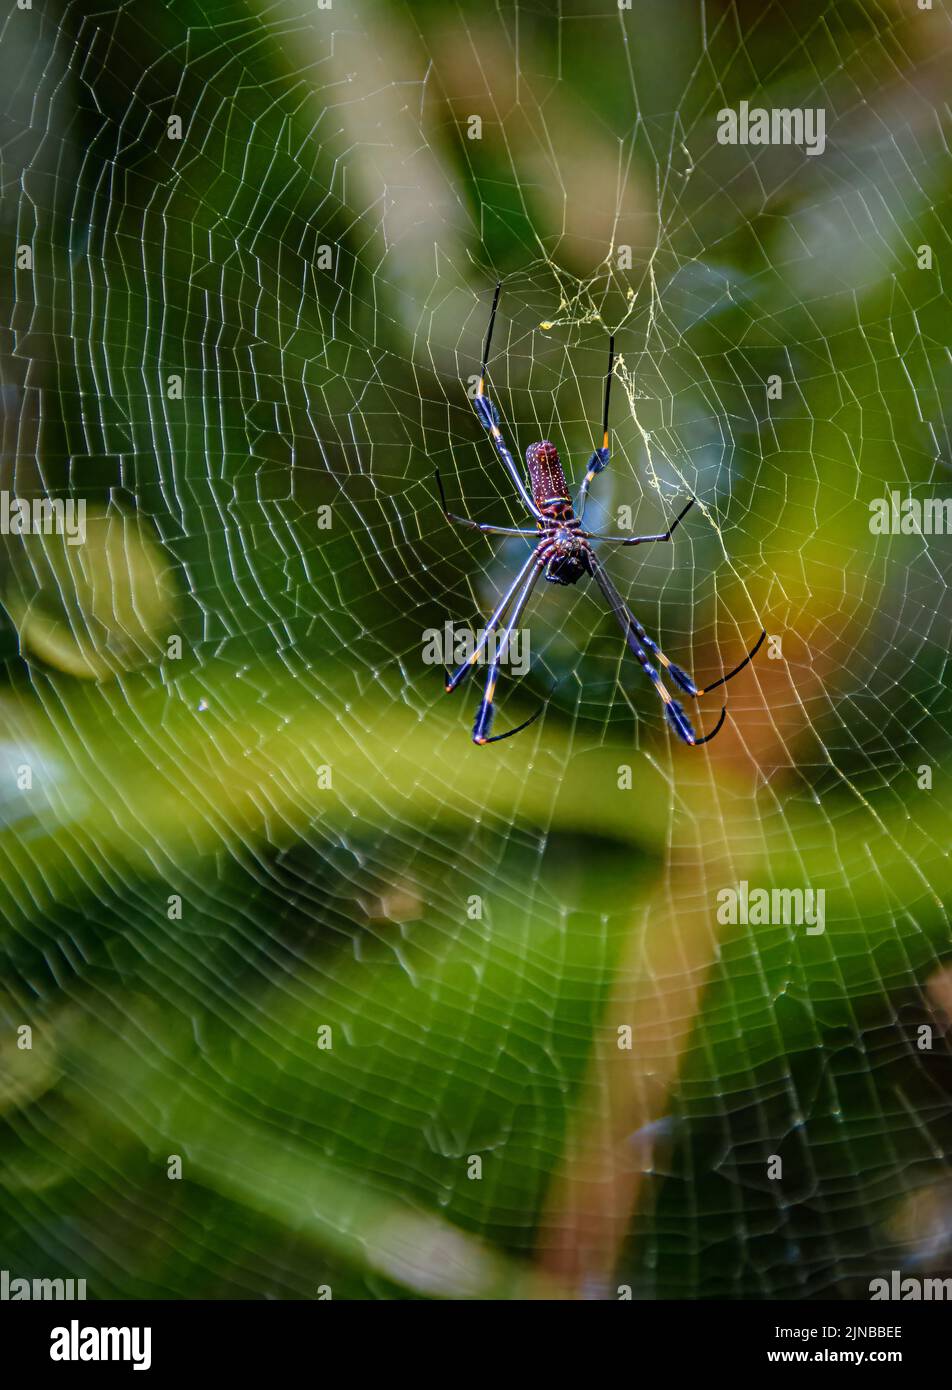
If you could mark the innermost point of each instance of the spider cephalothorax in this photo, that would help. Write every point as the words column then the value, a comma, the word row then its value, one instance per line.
column 563, row 553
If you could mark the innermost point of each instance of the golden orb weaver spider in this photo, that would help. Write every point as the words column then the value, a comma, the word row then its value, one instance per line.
column 563, row 553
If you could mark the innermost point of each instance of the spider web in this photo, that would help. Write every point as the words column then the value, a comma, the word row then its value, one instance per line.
column 267, row 911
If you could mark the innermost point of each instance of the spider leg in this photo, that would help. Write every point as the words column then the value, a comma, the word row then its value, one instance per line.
column 714, row 732
column 599, row 459
column 739, row 667
column 638, row 641
column 489, row 415
column 478, row 525
column 681, row 678
column 484, row 712
column 639, row 540
column 463, row 670
column 498, row 738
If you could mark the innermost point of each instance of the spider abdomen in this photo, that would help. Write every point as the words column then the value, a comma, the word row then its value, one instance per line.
column 545, row 474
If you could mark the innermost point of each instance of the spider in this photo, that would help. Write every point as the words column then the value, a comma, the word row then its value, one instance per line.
column 563, row 553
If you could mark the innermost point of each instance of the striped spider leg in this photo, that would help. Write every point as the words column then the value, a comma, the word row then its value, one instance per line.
column 635, row 635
